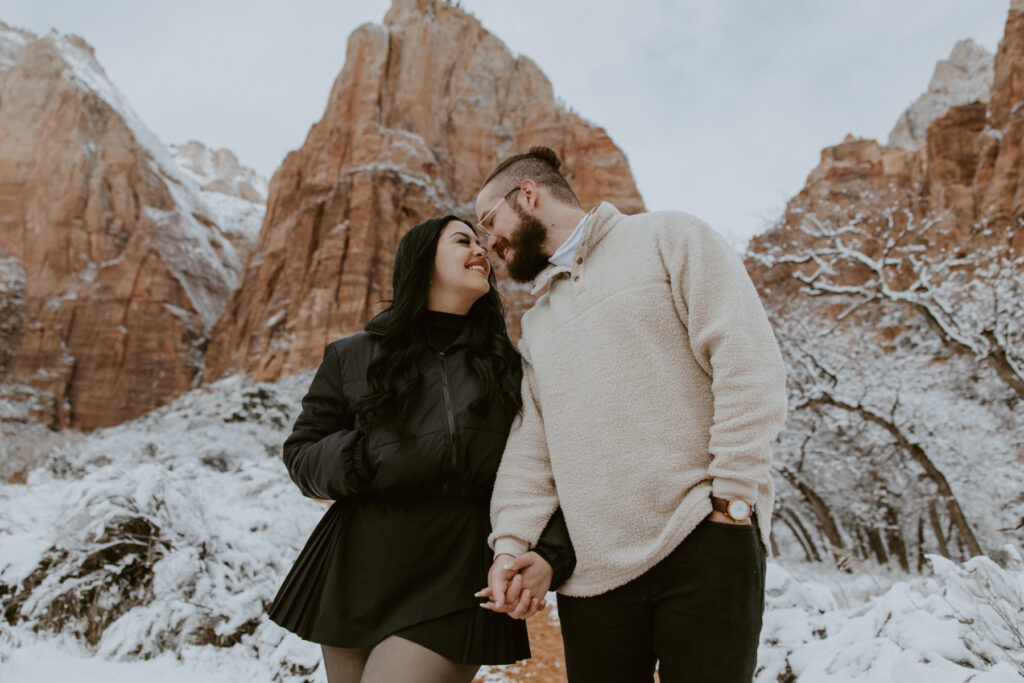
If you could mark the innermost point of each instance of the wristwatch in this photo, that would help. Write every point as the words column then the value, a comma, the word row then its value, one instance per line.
column 737, row 509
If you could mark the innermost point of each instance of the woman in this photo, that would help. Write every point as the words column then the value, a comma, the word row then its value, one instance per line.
column 403, row 427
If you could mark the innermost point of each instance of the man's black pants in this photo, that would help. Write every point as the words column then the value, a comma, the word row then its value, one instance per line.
column 697, row 613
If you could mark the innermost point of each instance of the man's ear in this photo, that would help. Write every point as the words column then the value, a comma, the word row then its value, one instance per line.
column 530, row 192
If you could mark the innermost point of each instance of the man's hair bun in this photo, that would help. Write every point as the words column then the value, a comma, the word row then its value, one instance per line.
column 547, row 155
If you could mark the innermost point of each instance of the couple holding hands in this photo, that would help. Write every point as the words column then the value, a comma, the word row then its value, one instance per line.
column 620, row 456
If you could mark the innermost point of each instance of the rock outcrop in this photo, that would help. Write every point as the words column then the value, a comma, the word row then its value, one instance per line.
column 113, row 269
column 964, row 78
column 424, row 107
column 234, row 196
column 218, row 170
column 962, row 172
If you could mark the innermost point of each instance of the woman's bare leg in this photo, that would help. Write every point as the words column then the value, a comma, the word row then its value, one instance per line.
column 344, row 664
column 398, row 659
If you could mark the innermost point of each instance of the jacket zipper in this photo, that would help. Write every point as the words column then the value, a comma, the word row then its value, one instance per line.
column 448, row 409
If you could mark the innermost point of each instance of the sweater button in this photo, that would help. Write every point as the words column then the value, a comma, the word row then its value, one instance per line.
column 576, row 279
column 579, row 261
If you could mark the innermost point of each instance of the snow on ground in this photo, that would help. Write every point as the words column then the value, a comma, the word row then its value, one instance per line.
column 964, row 622
column 149, row 551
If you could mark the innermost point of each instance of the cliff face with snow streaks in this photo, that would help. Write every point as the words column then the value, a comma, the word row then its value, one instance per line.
column 116, row 267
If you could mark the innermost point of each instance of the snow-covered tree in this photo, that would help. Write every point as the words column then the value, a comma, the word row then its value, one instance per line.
column 904, row 337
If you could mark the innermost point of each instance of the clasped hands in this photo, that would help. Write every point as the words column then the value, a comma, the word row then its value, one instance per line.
column 517, row 585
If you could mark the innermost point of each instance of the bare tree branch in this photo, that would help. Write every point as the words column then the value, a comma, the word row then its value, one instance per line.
column 916, row 452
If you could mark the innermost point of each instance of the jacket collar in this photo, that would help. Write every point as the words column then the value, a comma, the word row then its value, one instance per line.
column 376, row 325
column 600, row 221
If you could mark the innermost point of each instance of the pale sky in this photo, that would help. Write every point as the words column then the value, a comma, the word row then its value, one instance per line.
column 721, row 106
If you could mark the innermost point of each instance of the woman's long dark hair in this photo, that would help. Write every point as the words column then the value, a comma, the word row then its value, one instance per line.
column 392, row 376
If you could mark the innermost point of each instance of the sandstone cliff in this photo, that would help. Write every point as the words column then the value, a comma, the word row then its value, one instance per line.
column 114, row 269
column 424, row 107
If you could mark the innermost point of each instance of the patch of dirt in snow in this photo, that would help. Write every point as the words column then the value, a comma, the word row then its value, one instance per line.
column 548, row 662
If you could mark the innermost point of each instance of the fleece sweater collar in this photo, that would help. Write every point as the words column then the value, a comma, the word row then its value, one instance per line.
column 599, row 222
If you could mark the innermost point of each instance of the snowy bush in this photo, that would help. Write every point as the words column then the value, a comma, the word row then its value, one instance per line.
column 166, row 533
column 962, row 624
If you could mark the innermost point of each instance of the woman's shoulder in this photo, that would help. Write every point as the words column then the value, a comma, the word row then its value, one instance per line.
column 353, row 353
column 354, row 342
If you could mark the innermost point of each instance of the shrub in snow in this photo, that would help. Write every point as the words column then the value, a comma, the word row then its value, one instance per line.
column 164, row 534
column 85, row 594
column 962, row 624
column 989, row 602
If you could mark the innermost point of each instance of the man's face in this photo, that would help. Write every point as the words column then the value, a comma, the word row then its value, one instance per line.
column 513, row 234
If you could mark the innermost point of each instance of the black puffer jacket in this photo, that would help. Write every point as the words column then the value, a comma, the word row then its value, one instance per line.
column 453, row 454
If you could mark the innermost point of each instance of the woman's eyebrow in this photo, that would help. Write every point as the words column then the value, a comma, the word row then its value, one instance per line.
column 462, row 234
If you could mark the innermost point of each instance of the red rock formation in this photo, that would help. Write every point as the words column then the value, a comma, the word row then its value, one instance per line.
column 423, row 109
column 966, row 175
column 115, row 273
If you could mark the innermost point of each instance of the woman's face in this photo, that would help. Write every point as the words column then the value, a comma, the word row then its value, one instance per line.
column 461, row 270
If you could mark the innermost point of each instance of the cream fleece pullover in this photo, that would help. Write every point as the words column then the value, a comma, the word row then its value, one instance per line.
column 651, row 379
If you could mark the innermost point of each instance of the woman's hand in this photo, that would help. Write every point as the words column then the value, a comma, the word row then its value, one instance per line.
column 517, row 586
column 499, row 579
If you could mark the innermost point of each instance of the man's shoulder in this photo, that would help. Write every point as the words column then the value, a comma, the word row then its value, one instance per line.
column 669, row 219
column 528, row 323
column 679, row 229
column 658, row 225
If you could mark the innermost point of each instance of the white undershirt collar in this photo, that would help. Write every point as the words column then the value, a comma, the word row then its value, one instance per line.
column 563, row 255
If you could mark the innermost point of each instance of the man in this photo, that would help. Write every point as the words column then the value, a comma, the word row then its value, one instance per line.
column 652, row 388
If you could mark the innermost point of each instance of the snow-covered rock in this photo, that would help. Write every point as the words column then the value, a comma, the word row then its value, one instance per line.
column 963, row 78
column 220, row 171
column 235, row 196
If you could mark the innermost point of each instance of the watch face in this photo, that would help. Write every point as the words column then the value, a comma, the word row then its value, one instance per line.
column 739, row 509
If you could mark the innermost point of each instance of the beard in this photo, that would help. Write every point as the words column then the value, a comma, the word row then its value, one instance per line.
column 528, row 242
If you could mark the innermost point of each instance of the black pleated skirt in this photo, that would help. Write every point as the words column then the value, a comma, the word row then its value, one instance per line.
column 376, row 567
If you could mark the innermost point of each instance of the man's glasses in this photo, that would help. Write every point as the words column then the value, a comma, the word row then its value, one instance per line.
column 483, row 228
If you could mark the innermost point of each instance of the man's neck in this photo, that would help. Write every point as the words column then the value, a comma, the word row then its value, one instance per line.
column 563, row 222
